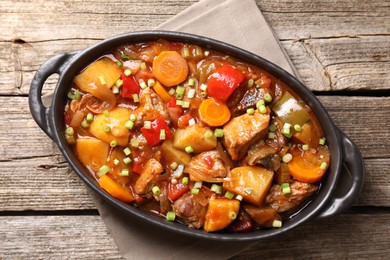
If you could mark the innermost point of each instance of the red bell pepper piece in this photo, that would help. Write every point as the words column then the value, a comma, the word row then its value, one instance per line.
column 223, row 82
column 152, row 135
column 130, row 86
column 175, row 191
column 174, row 110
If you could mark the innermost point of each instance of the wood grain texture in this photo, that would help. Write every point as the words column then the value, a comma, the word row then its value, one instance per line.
column 78, row 237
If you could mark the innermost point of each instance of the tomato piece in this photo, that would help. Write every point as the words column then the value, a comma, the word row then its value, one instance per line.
column 175, row 191
column 223, row 82
column 152, row 135
column 182, row 122
column 130, row 86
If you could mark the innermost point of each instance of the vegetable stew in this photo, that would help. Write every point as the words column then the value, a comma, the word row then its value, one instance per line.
column 195, row 136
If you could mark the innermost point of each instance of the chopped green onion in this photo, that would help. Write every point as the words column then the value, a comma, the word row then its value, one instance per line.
column 174, row 181
column 179, row 171
column 147, row 125
column 287, row 126
column 216, row 188
column 203, row 87
column 124, row 172
column 198, row 184
column 115, row 90
column 191, row 122
column 284, row 185
column 286, row 190
column 134, row 142
column 103, row 170
column 239, row 197
column 180, row 90
column 179, row 102
column 142, row 66
column 260, row 103
column 133, row 117
column 156, row 190
column 232, row 215
column 171, row 91
column 322, row 141
column 127, row 72
column 162, row 134
column 113, row 143
column 189, row 149
column 151, row 82
column 116, row 162
column 229, row 195
column 287, row 158
column 142, row 84
column 277, row 223
column 84, row 123
column 127, row 160
column 186, row 104
column 218, row 132
column 208, row 134
column 135, row 98
column 185, row 180
column 271, row 135
column 267, row 97
column 70, row 139
column 194, row 191
column 171, row 216
column 323, row 166
column 102, row 81
column 263, row 109
column 127, row 151
column 191, row 82
column 75, row 95
column 272, row 128
column 250, row 111
column 106, row 128
column 173, row 165
column 250, row 83
column 106, row 114
column 198, row 52
column 185, row 52
column 129, row 124
column 89, row 118
column 69, row 131
column 203, row 94
column 297, row 128
column 305, row 147
column 125, row 56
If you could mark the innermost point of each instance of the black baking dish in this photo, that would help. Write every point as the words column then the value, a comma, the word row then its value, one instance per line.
column 342, row 183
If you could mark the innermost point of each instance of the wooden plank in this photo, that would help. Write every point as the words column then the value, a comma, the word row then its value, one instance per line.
column 35, row 175
column 43, row 237
column 344, row 236
column 324, row 64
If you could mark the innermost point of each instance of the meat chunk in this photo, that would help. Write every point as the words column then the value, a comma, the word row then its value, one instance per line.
column 190, row 211
column 151, row 107
column 207, row 166
column 243, row 131
column 244, row 99
column 148, row 177
column 284, row 202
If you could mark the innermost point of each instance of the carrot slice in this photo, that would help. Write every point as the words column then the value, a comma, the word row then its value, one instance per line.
column 115, row 189
column 162, row 92
column 213, row 113
column 307, row 166
column 170, row 68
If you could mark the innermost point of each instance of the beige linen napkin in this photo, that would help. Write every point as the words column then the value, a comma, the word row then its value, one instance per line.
column 238, row 22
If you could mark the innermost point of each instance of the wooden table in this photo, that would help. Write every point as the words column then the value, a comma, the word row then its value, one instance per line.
column 341, row 49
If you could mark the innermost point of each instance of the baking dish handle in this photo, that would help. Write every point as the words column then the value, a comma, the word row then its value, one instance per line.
column 351, row 180
column 38, row 110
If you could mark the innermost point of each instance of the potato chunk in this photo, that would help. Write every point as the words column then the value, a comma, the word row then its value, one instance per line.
column 92, row 152
column 171, row 154
column 116, row 120
column 221, row 213
column 194, row 136
column 103, row 72
column 252, row 182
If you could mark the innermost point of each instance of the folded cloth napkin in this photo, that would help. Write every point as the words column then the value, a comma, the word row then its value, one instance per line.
column 238, row 22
